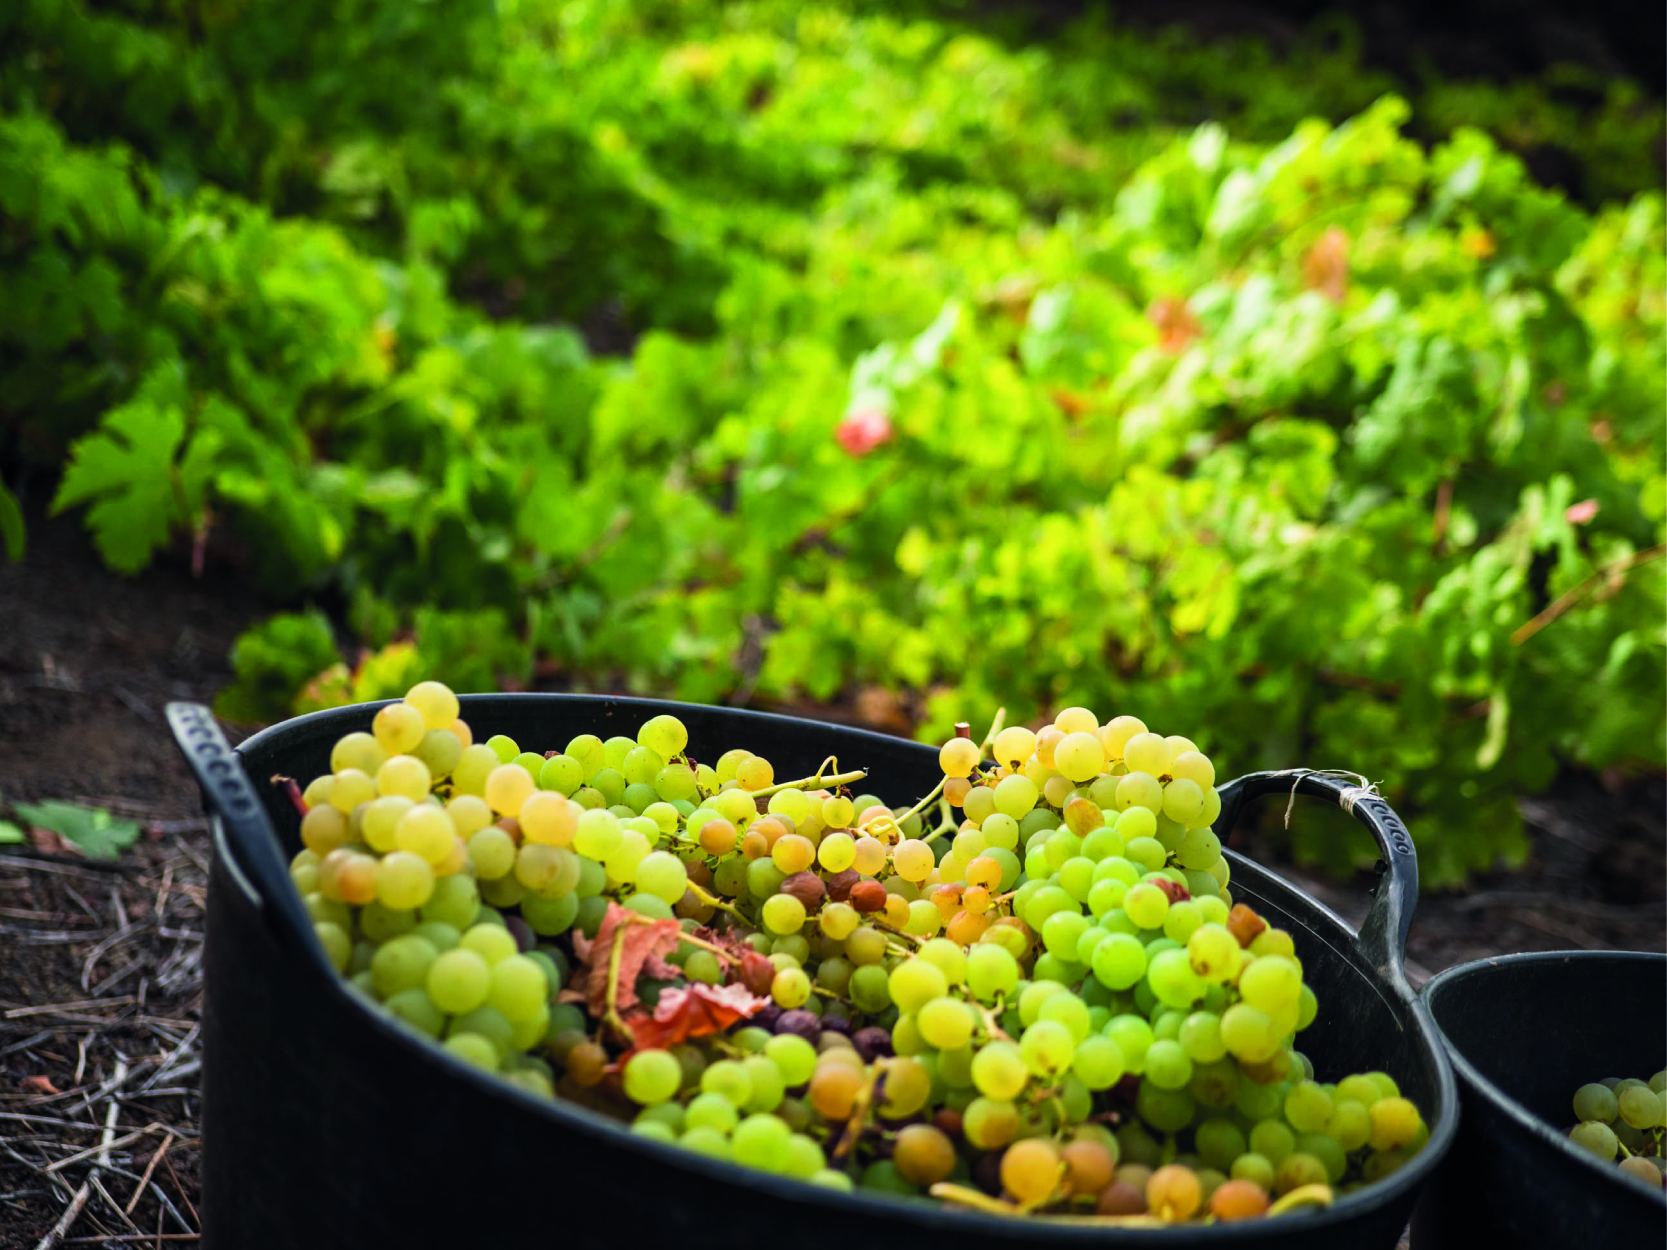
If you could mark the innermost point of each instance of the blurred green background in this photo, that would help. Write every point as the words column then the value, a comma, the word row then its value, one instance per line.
column 899, row 362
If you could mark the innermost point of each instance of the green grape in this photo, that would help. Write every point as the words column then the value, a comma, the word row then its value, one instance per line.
column 458, row 981
column 1097, row 1062
column 870, row 987
column 711, row 1111
column 1062, row 930
column 1640, row 1107
column 991, row 971
column 651, row 1076
column 730, row 1078
column 1172, row 979
column 1249, row 1034
column 1308, row 1107
column 474, row 1049
column 550, row 917
column 1595, row 1102
column 989, row 1123
column 1119, row 961
column 1167, row 1110
column 1200, row 1037
column 999, row 1071
column 442, row 937
column 1254, row 1167
column 1146, row 905
column 1069, row 1010
column 1134, row 1038
column 1016, row 795
column 1215, row 1084
column 1350, row 1124
column 1272, row 1140
column 944, row 1023
column 1076, row 877
column 519, row 988
column 1298, row 1169
column 915, row 982
column 1270, row 984
column 472, row 767
column 417, row 1009
column 760, row 1141
column 402, row 964
column 1148, row 853
column 768, row 1086
column 487, row 1022
column 803, row 1158
column 793, row 1056
column 1033, row 996
column 1167, row 1065
column 764, row 878
column 1219, row 1142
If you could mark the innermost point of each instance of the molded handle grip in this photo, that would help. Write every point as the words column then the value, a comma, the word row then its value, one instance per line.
column 249, row 848
column 1383, row 935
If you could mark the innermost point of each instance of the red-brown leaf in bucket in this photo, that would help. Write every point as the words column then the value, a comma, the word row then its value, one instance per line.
column 646, row 945
column 694, row 1012
column 41, row 1085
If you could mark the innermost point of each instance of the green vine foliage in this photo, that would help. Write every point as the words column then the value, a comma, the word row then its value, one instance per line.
column 965, row 372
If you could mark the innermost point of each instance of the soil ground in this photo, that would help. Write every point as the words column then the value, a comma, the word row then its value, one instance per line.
column 101, row 962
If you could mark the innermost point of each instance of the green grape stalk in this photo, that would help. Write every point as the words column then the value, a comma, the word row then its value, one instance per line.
column 1047, row 1004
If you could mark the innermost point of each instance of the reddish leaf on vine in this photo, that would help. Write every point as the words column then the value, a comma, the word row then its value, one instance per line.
column 646, row 945
column 696, row 1011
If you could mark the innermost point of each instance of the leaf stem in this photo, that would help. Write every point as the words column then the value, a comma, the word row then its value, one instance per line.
column 616, row 955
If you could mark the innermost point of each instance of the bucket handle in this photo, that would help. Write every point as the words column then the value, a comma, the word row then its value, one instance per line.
column 249, row 846
column 1383, row 934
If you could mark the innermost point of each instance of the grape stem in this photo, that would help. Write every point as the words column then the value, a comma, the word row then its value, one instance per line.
column 974, row 1199
column 820, row 780
column 992, row 1016
column 946, row 822
column 866, row 1097
column 712, row 900
column 918, row 807
column 886, row 928
column 704, row 945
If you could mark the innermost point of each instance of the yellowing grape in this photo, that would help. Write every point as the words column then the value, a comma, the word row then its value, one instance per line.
column 1014, row 745
column 1148, row 753
column 958, row 757
column 435, row 702
column 1076, row 720
column 508, row 786
column 547, row 817
column 1080, row 756
column 404, row 775
column 427, row 831
column 398, row 728
column 913, row 859
column 469, row 813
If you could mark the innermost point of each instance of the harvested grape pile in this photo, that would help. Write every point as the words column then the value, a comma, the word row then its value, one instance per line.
column 1048, row 1003
column 1623, row 1121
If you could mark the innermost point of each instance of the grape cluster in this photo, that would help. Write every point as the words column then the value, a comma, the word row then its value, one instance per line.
column 1046, row 1001
column 1625, row 1121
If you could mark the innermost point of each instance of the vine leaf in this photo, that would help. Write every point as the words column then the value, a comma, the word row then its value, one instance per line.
column 126, row 470
column 695, row 1011
column 645, row 946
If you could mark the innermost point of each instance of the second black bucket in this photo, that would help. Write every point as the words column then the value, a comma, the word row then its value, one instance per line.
column 1525, row 1032
column 328, row 1126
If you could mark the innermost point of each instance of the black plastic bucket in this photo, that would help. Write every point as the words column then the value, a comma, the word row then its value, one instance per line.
column 326, row 1125
column 1524, row 1032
